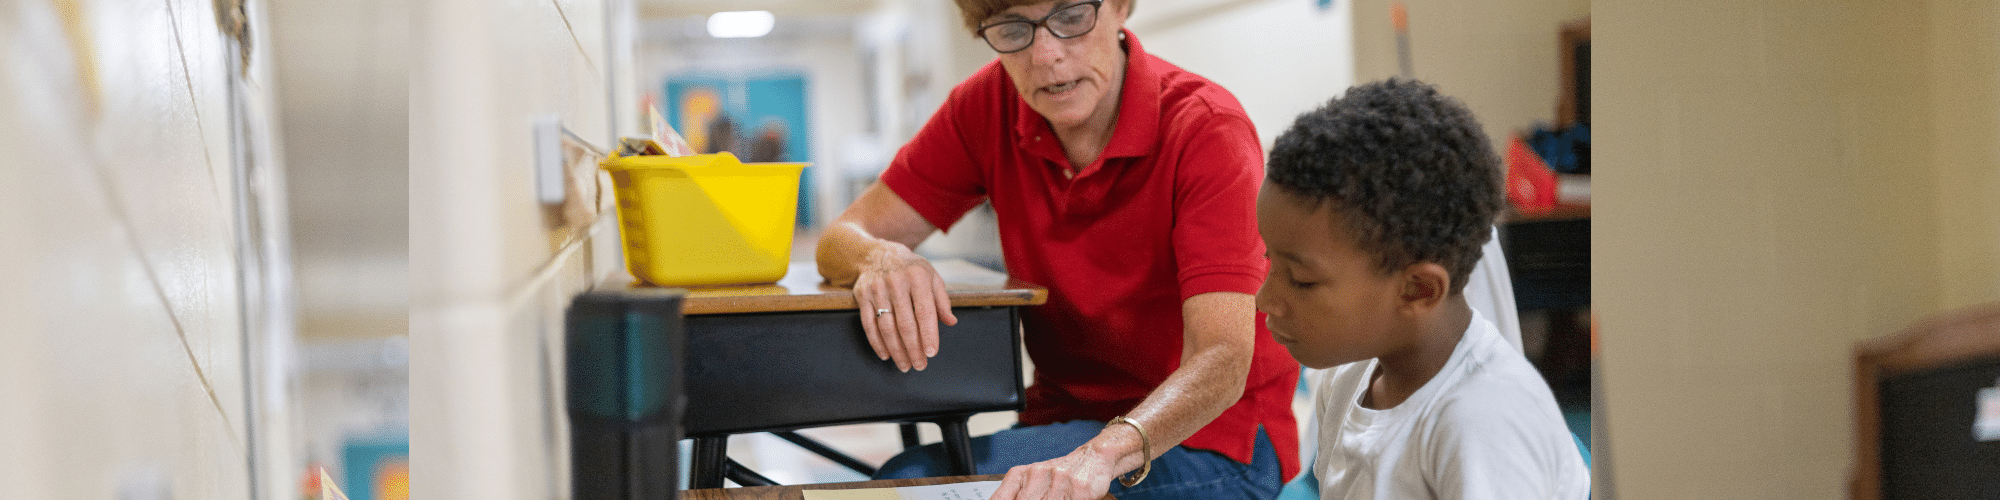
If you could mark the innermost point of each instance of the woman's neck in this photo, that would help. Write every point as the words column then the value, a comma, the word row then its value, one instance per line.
column 1083, row 145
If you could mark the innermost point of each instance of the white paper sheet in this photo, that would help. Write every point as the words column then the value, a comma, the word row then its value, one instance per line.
column 976, row 490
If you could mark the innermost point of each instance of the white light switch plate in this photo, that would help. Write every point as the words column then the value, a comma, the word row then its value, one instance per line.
column 548, row 159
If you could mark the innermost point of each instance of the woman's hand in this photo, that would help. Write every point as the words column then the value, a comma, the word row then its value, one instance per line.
column 902, row 299
column 1080, row 475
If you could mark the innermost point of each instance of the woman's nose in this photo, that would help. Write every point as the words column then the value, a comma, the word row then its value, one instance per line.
column 1046, row 49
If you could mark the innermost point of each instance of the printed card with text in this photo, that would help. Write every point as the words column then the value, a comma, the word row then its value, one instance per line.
column 976, row 490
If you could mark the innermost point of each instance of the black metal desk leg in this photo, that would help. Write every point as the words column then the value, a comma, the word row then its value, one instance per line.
column 822, row 450
column 711, row 456
column 957, row 445
column 743, row 476
column 909, row 432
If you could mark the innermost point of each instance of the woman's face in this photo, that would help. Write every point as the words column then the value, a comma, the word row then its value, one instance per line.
column 1069, row 81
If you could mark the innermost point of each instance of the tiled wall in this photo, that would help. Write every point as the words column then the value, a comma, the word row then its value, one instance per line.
column 489, row 272
column 141, row 256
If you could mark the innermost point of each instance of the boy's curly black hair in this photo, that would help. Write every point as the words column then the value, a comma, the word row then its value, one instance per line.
column 1409, row 170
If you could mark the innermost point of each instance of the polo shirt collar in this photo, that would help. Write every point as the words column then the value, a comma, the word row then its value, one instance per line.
column 1137, row 128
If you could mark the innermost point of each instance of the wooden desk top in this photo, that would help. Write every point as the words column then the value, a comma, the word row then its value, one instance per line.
column 802, row 289
column 793, row 492
column 1564, row 211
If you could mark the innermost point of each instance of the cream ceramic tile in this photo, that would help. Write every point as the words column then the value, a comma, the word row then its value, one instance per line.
column 462, row 393
column 126, row 335
column 488, row 283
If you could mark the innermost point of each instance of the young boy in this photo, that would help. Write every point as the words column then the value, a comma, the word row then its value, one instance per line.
column 1374, row 209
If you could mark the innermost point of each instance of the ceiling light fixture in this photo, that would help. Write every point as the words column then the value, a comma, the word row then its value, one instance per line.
column 743, row 24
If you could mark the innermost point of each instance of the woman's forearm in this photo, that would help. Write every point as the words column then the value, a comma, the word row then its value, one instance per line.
column 878, row 225
column 1215, row 364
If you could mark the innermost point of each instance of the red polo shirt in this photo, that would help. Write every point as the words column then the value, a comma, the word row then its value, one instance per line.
column 1167, row 212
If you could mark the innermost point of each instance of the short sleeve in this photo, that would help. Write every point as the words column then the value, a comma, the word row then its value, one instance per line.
column 1492, row 450
column 936, row 172
column 1220, row 167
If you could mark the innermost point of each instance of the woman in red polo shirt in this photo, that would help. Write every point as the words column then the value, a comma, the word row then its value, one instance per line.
column 1128, row 187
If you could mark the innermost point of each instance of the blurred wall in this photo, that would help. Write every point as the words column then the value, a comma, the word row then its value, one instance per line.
column 823, row 48
column 1278, row 57
column 343, row 87
column 1964, row 43
column 343, row 110
column 1500, row 58
column 144, row 313
column 1775, row 182
column 491, row 269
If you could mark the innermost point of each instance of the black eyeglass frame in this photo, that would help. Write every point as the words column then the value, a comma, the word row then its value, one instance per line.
column 1043, row 25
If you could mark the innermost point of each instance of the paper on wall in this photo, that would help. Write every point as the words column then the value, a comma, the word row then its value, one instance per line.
column 328, row 490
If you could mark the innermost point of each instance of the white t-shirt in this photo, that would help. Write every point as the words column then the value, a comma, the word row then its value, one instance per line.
column 1491, row 292
column 1486, row 426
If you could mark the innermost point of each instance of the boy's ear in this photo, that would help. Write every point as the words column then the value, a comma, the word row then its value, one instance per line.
column 1425, row 285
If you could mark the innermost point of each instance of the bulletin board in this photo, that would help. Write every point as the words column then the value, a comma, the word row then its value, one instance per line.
column 759, row 117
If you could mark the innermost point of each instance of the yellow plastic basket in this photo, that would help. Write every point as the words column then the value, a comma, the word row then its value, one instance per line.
column 705, row 219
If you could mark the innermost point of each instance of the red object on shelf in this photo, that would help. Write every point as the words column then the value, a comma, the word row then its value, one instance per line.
column 1531, row 185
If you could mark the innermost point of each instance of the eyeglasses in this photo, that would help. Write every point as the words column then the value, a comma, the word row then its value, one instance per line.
column 1070, row 21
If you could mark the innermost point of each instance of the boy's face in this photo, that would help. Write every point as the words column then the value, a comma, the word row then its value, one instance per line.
column 1324, row 299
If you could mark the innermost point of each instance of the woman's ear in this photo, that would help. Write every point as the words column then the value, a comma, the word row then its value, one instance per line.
column 1425, row 286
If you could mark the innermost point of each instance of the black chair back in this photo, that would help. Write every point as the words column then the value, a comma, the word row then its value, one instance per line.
column 777, row 372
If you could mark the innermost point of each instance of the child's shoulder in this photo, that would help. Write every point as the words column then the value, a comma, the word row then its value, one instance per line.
column 1495, row 395
column 1500, row 415
column 1492, row 375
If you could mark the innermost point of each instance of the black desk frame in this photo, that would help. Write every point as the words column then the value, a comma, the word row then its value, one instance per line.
column 782, row 371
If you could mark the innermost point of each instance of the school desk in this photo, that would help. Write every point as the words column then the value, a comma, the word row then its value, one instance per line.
column 792, row 355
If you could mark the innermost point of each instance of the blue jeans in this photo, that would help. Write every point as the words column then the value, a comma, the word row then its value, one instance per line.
column 1181, row 473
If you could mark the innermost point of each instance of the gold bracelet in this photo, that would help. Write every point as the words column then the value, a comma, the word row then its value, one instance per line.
column 1145, row 447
